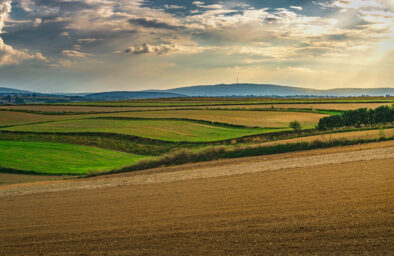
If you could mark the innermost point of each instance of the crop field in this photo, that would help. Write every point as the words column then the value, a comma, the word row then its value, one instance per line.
column 93, row 109
column 71, row 109
column 247, row 118
column 314, row 106
column 325, row 201
column 165, row 127
column 16, row 118
column 57, row 158
column 155, row 129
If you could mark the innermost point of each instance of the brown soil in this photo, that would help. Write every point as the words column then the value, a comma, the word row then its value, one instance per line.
column 12, row 178
column 318, row 202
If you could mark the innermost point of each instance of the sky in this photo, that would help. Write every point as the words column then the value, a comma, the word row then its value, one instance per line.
column 107, row 45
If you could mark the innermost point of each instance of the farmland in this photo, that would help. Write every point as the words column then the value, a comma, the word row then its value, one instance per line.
column 156, row 128
column 247, row 118
column 15, row 118
column 170, row 130
column 338, row 205
column 233, row 105
column 56, row 158
column 194, row 176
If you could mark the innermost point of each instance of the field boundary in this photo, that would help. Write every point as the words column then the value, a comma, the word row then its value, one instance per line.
column 210, row 154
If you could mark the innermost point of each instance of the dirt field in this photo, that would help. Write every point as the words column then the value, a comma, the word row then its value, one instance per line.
column 12, row 178
column 331, row 201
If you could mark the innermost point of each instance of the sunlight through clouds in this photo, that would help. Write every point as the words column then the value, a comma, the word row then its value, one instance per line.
column 351, row 40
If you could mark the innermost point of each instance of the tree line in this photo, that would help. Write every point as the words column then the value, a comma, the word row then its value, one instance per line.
column 357, row 118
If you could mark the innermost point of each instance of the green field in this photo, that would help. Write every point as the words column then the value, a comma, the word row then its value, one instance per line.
column 170, row 130
column 58, row 158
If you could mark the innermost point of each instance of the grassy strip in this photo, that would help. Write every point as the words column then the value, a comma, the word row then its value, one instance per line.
column 118, row 142
column 212, row 153
column 60, row 158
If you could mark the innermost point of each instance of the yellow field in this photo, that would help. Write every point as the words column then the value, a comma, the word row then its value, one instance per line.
column 247, row 118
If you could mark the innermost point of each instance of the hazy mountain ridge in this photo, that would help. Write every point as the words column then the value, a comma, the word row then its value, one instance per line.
column 5, row 90
column 222, row 90
column 219, row 90
column 128, row 95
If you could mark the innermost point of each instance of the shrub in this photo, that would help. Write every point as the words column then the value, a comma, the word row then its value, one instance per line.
column 295, row 125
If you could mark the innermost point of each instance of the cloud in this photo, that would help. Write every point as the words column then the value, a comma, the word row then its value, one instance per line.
column 87, row 40
column 9, row 55
column 154, row 49
column 173, row 6
column 296, row 8
column 75, row 53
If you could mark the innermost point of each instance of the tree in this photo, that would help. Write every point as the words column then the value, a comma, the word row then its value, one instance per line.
column 295, row 125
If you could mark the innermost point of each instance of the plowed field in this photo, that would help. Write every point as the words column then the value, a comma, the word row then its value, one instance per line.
column 331, row 201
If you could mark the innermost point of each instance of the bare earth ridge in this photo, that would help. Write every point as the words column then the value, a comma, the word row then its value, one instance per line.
column 327, row 201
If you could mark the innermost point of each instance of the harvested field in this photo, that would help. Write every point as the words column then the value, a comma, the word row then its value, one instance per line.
column 16, row 118
column 155, row 129
column 327, row 106
column 75, row 109
column 19, row 118
column 337, row 206
column 247, row 118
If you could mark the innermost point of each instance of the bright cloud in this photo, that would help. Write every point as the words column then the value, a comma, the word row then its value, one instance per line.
column 199, row 36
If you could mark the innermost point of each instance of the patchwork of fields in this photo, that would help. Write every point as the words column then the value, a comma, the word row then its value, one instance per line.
column 135, row 130
column 196, row 177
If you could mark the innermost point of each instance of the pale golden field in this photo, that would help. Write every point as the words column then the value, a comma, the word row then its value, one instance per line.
column 247, row 118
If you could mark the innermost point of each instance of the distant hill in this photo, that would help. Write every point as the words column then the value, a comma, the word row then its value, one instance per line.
column 219, row 90
column 222, row 90
column 127, row 95
column 4, row 90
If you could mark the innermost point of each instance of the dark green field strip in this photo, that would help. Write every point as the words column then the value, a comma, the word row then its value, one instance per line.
column 60, row 158
column 112, row 141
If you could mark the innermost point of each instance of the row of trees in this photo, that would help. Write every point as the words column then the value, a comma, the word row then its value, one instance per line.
column 358, row 117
